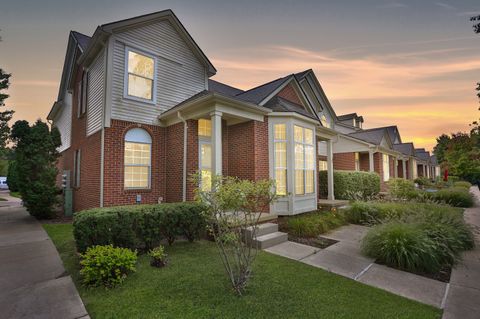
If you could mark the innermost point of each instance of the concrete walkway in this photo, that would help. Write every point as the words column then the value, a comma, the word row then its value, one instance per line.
column 33, row 282
column 463, row 297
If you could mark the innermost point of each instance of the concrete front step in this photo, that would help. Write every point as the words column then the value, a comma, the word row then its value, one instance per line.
column 269, row 240
column 261, row 229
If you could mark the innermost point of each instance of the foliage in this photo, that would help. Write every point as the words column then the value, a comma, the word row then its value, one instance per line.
column 462, row 184
column 186, row 288
column 441, row 147
column 35, row 169
column 455, row 196
column 423, row 181
column 232, row 206
column 12, row 177
column 400, row 188
column 107, row 265
column 5, row 116
column 351, row 185
column 312, row 224
column 137, row 226
column 159, row 256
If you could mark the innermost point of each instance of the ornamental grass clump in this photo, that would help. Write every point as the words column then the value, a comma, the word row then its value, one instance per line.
column 107, row 265
column 233, row 208
column 455, row 196
column 313, row 224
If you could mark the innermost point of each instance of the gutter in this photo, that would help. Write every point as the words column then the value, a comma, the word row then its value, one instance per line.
column 184, row 179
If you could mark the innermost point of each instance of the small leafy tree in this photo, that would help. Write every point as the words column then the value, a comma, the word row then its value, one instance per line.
column 35, row 166
column 233, row 207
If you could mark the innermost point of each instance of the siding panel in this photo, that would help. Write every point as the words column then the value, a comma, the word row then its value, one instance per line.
column 179, row 73
column 96, row 94
column 63, row 122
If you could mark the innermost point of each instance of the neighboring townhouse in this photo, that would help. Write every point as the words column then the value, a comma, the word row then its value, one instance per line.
column 138, row 115
column 425, row 166
column 408, row 169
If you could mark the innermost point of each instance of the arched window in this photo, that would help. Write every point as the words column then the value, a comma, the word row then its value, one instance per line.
column 137, row 158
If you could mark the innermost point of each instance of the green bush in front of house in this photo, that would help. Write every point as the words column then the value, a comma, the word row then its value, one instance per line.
column 400, row 188
column 351, row 184
column 462, row 184
column 312, row 224
column 455, row 196
column 138, row 226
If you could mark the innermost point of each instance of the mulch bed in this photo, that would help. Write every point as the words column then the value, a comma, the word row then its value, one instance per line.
column 319, row 242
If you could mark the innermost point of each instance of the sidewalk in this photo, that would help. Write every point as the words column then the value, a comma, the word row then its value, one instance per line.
column 33, row 283
column 463, row 296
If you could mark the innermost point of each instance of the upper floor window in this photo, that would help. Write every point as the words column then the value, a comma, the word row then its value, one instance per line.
column 137, row 158
column 140, row 76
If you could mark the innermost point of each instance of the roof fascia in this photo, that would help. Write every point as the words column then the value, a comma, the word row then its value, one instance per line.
column 322, row 96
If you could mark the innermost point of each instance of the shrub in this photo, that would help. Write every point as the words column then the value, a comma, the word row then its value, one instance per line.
column 107, row 265
column 137, row 226
column 350, row 184
column 423, row 181
column 313, row 224
column 462, row 184
column 401, row 245
column 158, row 256
column 401, row 188
column 455, row 196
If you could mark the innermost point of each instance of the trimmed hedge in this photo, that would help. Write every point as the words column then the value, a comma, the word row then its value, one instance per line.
column 137, row 226
column 351, row 184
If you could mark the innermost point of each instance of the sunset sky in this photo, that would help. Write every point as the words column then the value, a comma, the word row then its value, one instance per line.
column 409, row 63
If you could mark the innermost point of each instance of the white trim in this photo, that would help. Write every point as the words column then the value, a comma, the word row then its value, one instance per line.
column 125, row 76
column 294, row 115
column 149, row 184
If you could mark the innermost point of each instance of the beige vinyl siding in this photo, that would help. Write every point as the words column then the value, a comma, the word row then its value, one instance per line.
column 63, row 122
column 96, row 94
column 179, row 74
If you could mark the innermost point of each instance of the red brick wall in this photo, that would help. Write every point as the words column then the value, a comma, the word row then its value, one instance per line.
column 114, row 190
column 261, row 149
column 400, row 169
column 392, row 166
column 288, row 93
column 364, row 162
column 192, row 158
column 344, row 161
column 174, row 161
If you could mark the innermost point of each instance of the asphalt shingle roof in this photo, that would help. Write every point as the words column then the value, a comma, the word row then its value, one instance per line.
column 278, row 104
column 404, row 148
column 221, row 88
column 433, row 160
column 373, row 136
column 259, row 93
column 82, row 39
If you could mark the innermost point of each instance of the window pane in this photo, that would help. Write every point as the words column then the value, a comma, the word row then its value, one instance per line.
column 137, row 153
column 298, row 133
column 136, row 176
column 299, row 181
column 205, row 155
column 140, row 87
column 206, row 179
column 322, row 165
column 386, row 167
column 309, row 182
column 280, row 154
column 280, row 132
column 204, row 127
column 140, row 65
column 281, row 181
column 309, row 158
column 299, row 162
column 308, row 136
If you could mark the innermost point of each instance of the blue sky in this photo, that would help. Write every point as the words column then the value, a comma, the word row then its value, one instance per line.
column 411, row 63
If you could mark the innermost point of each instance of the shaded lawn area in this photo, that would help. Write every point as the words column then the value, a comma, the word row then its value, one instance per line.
column 194, row 285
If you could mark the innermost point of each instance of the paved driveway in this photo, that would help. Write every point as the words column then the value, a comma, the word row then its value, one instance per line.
column 33, row 282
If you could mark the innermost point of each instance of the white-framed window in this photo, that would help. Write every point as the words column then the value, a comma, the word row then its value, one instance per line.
column 204, row 128
column 322, row 165
column 386, row 167
column 137, row 159
column 76, row 168
column 357, row 161
column 140, row 73
column 304, row 160
column 324, row 121
column 205, row 153
column 82, row 94
column 280, row 158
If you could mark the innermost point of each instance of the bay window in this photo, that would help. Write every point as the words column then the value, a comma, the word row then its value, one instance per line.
column 304, row 160
column 137, row 159
column 140, row 76
column 280, row 158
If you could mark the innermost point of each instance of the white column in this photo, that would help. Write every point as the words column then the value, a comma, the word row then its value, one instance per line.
column 396, row 168
column 330, row 185
column 424, row 170
column 370, row 161
column 216, row 118
column 404, row 169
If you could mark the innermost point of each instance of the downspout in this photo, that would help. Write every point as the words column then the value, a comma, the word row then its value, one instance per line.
column 102, row 141
column 184, row 181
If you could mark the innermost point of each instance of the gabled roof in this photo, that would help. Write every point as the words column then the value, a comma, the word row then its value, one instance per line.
column 259, row 93
column 82, row 39
column 105, row 30
column 374, row 136
column 222, row 88
column 405, row 148
column 433, row 160
column 278, row 104
column 422, row 154
column 301, row 75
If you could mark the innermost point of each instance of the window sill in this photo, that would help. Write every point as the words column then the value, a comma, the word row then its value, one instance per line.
column 137, row 190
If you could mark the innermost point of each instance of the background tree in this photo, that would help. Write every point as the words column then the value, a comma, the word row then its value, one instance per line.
column 441, row 147
column 35, row 166
column 5, row 116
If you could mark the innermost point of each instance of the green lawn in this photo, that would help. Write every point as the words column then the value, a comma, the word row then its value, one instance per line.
column 194, row 285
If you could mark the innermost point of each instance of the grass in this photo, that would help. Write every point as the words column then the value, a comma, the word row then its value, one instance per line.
column 194, row 285
column 312, row 224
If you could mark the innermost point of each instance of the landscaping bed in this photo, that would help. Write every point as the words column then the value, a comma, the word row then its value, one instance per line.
column 193, row 285
column 319, row 242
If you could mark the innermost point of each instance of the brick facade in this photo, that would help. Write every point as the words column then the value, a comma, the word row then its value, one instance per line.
column 364, row 162
column 289, row 94
column 344, row 161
